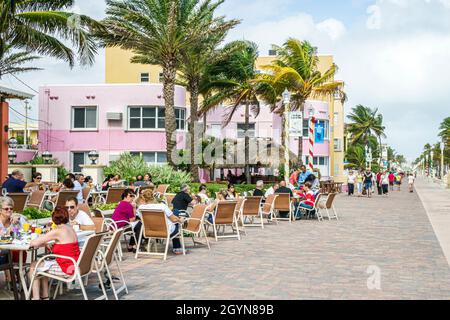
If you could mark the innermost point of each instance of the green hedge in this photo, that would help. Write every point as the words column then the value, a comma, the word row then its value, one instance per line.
column 216, row 187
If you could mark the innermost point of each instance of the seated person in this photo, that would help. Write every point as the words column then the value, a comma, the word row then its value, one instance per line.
column 15, row 182
column 259, row 189
column 309, row 197
column 124, row 213
column 284, row 189
column 272, row 190
column 231, row 193
column 173, row 222
column 76, row 216
column 221, row 196
column 66, row 244
column 139, row 181
column 203, row 194
column 303, row 175
column 182, row 200
column 37, row 184
column 9, row 223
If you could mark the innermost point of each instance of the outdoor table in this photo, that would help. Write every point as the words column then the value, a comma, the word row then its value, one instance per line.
column 24, row 245
column 99, row 195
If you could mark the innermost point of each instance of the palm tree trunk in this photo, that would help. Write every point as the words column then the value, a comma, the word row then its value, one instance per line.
column 193, row 123
column 204, row 122
column 169, row 74
column 247, row 143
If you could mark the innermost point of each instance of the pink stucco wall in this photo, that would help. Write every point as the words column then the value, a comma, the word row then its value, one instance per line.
column 110, row 137
column 268, row 124
column 24, row 155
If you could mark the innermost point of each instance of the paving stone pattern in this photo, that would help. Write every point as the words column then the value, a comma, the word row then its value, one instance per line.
column 307, row 259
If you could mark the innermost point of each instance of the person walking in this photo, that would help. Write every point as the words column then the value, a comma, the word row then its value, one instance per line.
column 378, row 181
column 391, row 180
column 351, row 179
column 359, row 181
column 411, row 180
column 368, row 182
column 385, row 182
column 398, row 180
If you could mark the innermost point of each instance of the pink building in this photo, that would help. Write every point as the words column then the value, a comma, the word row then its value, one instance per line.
column 268, row 125
column 113, row 118
column 109, row 118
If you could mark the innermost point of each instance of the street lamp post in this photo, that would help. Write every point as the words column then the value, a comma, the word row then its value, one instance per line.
column 442, row 159
column 431, row 164
column 286, row 102
column 311, row 133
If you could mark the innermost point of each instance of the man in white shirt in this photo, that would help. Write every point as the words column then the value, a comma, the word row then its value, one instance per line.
column 76, row 216
column 271, row 190
column 351, row 179
column 78, row 186
column 411, row 182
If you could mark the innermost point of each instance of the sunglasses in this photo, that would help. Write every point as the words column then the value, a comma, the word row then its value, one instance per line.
column 38, row 178
column 7, row 209
column 70, row 207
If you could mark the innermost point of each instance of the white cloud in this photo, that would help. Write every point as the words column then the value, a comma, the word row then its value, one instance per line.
column 396, row 58
column 301, row 26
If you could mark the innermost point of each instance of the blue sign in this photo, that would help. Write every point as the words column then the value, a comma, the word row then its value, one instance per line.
column 319, row 135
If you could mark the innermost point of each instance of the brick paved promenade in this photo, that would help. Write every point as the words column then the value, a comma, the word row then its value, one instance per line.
column 308, row 259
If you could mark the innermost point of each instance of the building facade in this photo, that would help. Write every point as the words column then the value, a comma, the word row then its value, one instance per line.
column 329, row 152
column 108, row 118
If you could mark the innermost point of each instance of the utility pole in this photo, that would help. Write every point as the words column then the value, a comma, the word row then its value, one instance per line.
column 25, row 142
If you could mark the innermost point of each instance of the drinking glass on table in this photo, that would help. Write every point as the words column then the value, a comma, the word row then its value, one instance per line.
column 26, row 227
column 4, row 191
column 38, row 230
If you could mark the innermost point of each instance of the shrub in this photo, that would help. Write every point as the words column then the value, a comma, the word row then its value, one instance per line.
column 103, row 207
column 167, row 175
column 34, row 213
column 216, row 187
column 130, row 166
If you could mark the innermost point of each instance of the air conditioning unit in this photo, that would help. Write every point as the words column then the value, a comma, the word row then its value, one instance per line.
column 114, row 116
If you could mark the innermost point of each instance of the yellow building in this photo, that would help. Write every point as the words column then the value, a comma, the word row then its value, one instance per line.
column 18, row 131
column 119, row 69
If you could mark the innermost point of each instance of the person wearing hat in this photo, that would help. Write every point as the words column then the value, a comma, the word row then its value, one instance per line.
column 182, row 200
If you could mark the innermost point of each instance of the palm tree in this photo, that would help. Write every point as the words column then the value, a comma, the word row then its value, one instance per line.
column 43, row 27
column 444, row 132
column 235, row 85
column 296, row 69
column 158, row 32
column 13, row 62
column 355, row 157
column 194, row 75
column 365, row 123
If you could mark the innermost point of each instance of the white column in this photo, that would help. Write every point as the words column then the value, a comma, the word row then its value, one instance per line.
column 95, row 171
column 49, row 172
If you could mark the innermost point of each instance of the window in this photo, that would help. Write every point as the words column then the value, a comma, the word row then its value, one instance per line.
column 318, row 161
column 145, row 77
column 306, row 128
column 180, row 118
column 79, row 158
column 161, row 77
column 141, row 118
column 241, row 130
column 84, row 118
column 152, row 157
column 337, row 145
column 320, row 122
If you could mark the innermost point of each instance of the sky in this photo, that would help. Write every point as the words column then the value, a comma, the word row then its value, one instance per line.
column 393, row 55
